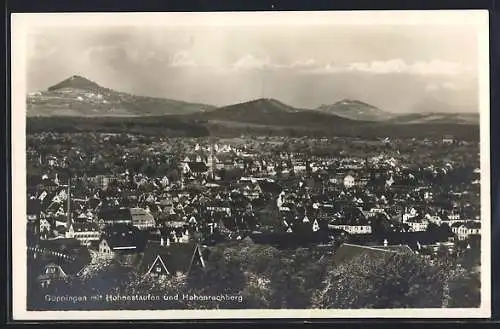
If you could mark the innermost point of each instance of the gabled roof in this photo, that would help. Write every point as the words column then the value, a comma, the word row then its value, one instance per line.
column 140, row 214
column 49, row 183
column 158, row 262
column 70, row 267
column 116, row 214
column 404, row 249
column 70, row 261
column 60, row 244
column 347, row 252
column 198, row 167
column 176, row 257
column 473, row 225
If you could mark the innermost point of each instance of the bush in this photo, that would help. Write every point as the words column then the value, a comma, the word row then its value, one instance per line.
column 391, row 281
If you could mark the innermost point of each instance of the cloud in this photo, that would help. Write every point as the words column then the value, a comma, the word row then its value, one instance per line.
column 447, row 85
column 379, row 67
column 107, row 53
column 39, row 47
column 250, row 62
column 183, row 59
column 309, row 63
column 399, row 66
column 393, row 66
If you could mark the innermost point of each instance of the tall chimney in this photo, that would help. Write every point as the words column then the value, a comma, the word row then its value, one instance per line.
column 181, row 172
column 69, row 202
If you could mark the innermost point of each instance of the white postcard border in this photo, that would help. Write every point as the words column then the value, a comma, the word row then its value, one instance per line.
column 20, row 24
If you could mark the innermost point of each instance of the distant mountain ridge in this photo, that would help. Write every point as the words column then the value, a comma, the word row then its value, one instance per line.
column 356, row 110
column 430, row 117
column 271, row 112
column 77, row 82
column 78, row 96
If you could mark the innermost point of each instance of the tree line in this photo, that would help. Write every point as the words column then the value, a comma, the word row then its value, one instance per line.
column 268, row 278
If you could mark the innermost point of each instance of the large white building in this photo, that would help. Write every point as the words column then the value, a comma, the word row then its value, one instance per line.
column 349, row 181
column 417, row 225
column 463, row 231
column 353, row 229
column 84, row 232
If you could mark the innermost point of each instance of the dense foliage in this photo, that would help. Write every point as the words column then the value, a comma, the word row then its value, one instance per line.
column 265, row 277
column 392, row 281
column 148, row 125
column 171, row 125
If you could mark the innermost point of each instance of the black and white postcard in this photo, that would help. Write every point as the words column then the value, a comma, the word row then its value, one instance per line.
column 250, row 165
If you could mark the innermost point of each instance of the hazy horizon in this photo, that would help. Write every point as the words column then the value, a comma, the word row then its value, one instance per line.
column 398, row 68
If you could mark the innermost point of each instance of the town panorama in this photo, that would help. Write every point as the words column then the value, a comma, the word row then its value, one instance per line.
column 266, row 168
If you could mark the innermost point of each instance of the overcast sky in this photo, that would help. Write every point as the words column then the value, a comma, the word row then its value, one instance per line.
column 397, row 68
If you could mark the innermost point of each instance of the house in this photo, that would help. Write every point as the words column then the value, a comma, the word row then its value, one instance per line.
column 84, row 232
column 60, row 269
column 408, row 215
column 142, row 219
column 252, row 191
column 315, row 226
column 105, row 249
column 299, row 167
column 336, row 179
column 102, row 181
column 434, row 219
column 173, row 260
column 455, row 226
column 173, row 223
column 349, row 181
column 374, row 212
column 197, row 168
column 453, row 216
column 57, row 259
column 352, row 229
column 347, row 251
column 467, row 229
column 448, row 139
column 362, row 182
column 417, row 224
column 114, row 216
column 121, row 239
column 400, row 249
column 44, row 225
column 220, row 207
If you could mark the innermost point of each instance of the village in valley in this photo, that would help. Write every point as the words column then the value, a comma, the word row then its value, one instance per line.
column 158, row 206
column 272, row 162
